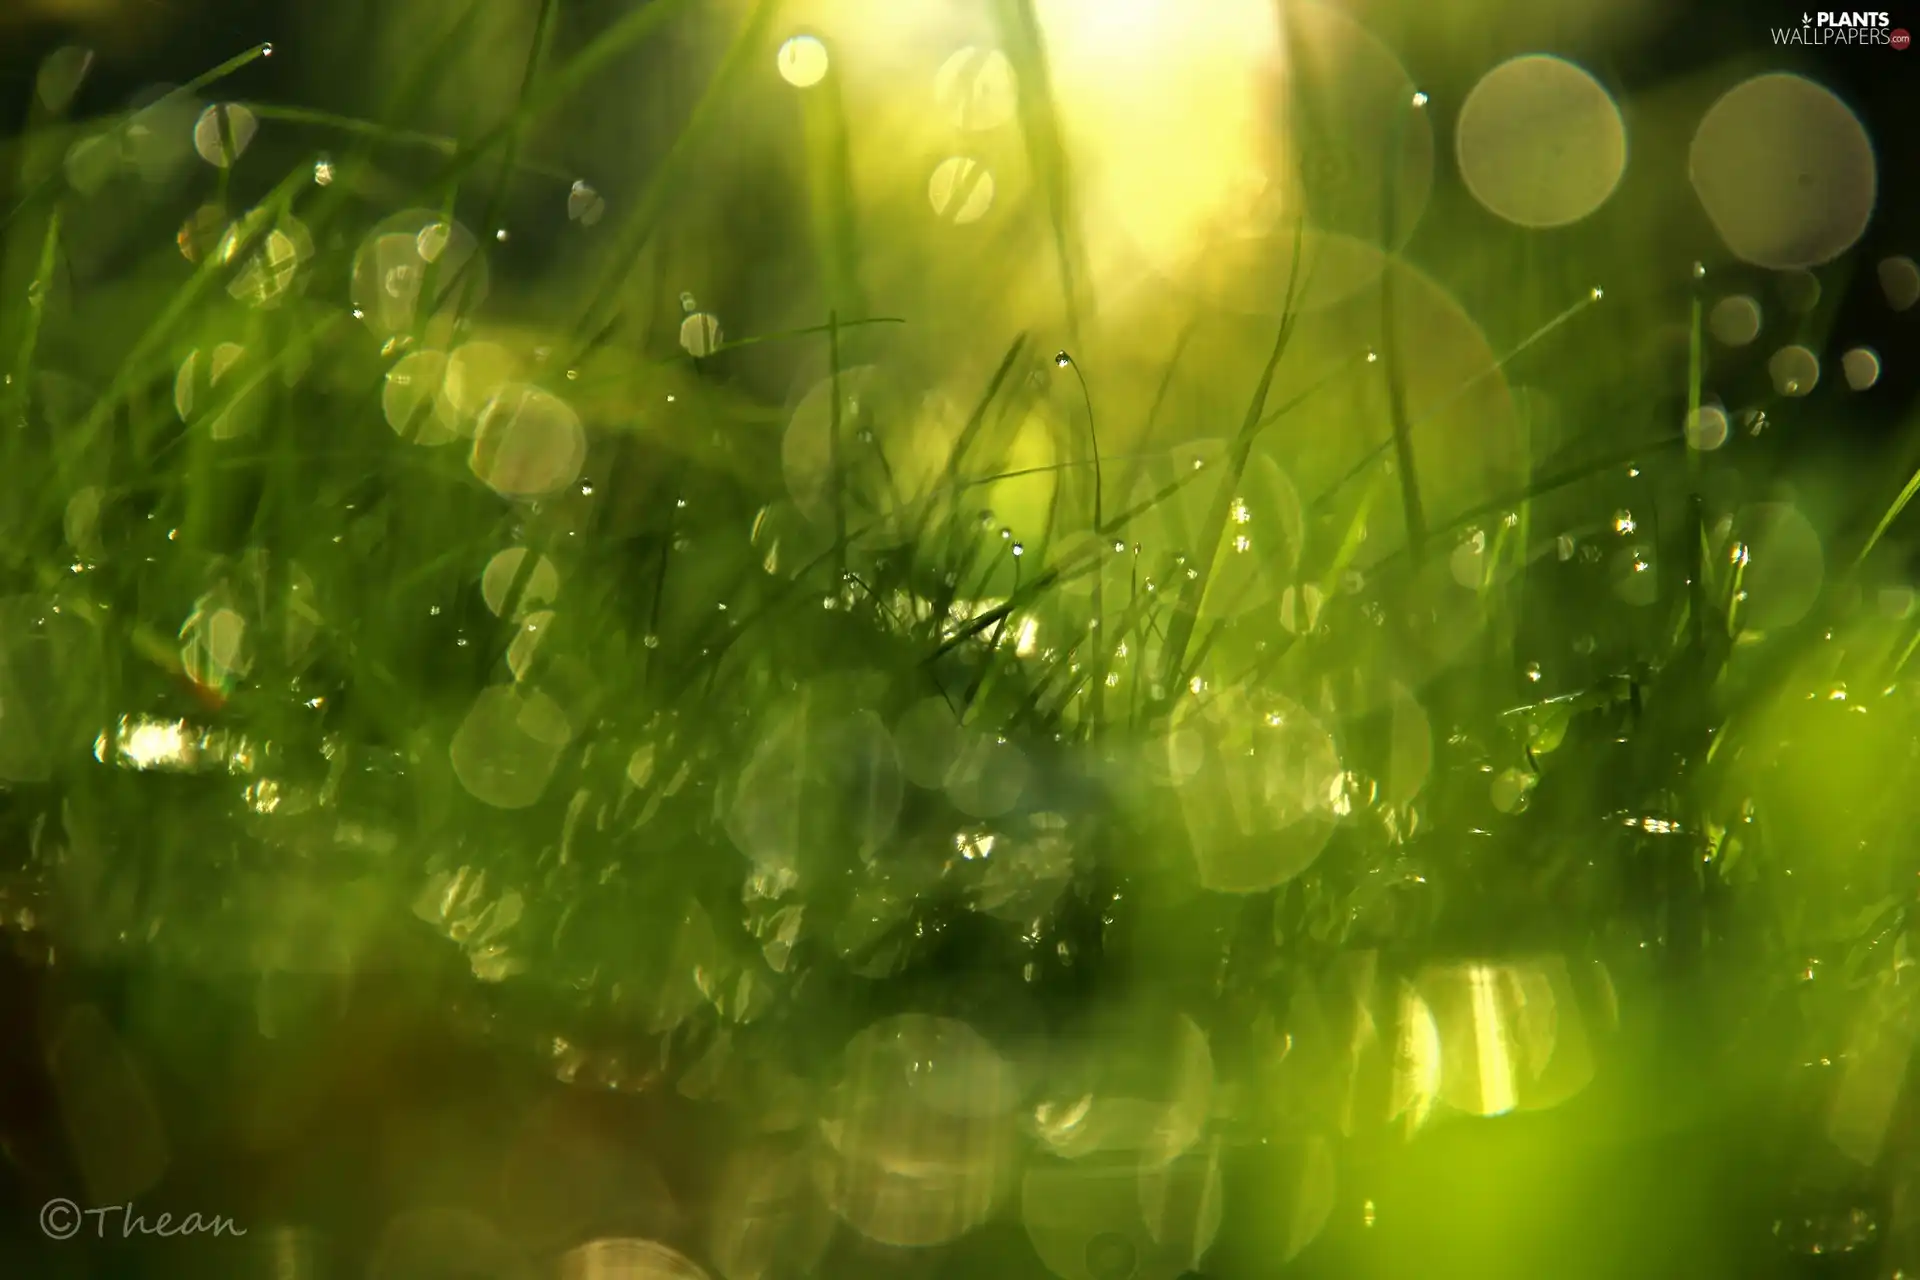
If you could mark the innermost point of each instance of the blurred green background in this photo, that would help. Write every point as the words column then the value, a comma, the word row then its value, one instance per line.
column 1100, row 638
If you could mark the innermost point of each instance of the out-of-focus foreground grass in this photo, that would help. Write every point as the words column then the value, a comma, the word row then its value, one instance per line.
column 1094, row 636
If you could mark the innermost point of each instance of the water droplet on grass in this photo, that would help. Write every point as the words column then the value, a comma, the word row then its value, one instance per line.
column 585, row 205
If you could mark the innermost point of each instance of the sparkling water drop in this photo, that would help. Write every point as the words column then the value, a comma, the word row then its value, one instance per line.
column 1419, row 98
column 1061, row 359
column 687, row 302
column 585, row 205
column 266, row 50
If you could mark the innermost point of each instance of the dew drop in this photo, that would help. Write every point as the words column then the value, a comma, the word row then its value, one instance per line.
column 585, row 205
column 687, row 302
column 501, row 235
column 1061, row 359
column 1420, row 98
column 652, row 641
column 803, row 61
column 1019, row 550
column 1699, row 271
column 266, row 50
column 1597, row 293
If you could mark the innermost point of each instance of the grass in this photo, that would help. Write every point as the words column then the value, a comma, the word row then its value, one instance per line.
column 700, row 743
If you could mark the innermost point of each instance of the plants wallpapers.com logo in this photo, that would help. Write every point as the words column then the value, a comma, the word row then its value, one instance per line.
column 1850, row 28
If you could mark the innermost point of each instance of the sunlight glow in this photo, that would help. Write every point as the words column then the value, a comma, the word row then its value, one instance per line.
column 1167, row 103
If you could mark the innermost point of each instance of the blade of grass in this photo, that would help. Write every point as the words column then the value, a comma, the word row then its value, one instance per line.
column 963, row 444
column 823, row 116
column 1180, row 632
column 630, row 31
column 1547, row 484
column 1373, row 455
column 202, row 81
column 403, row 103
column 834, row 470
column 1025, row 43
column 537, row 50
column 1887, row 517
column 1407, row 469
column 1098, row 691
column 134, row 367
column 665, row 182
column 36, row 308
